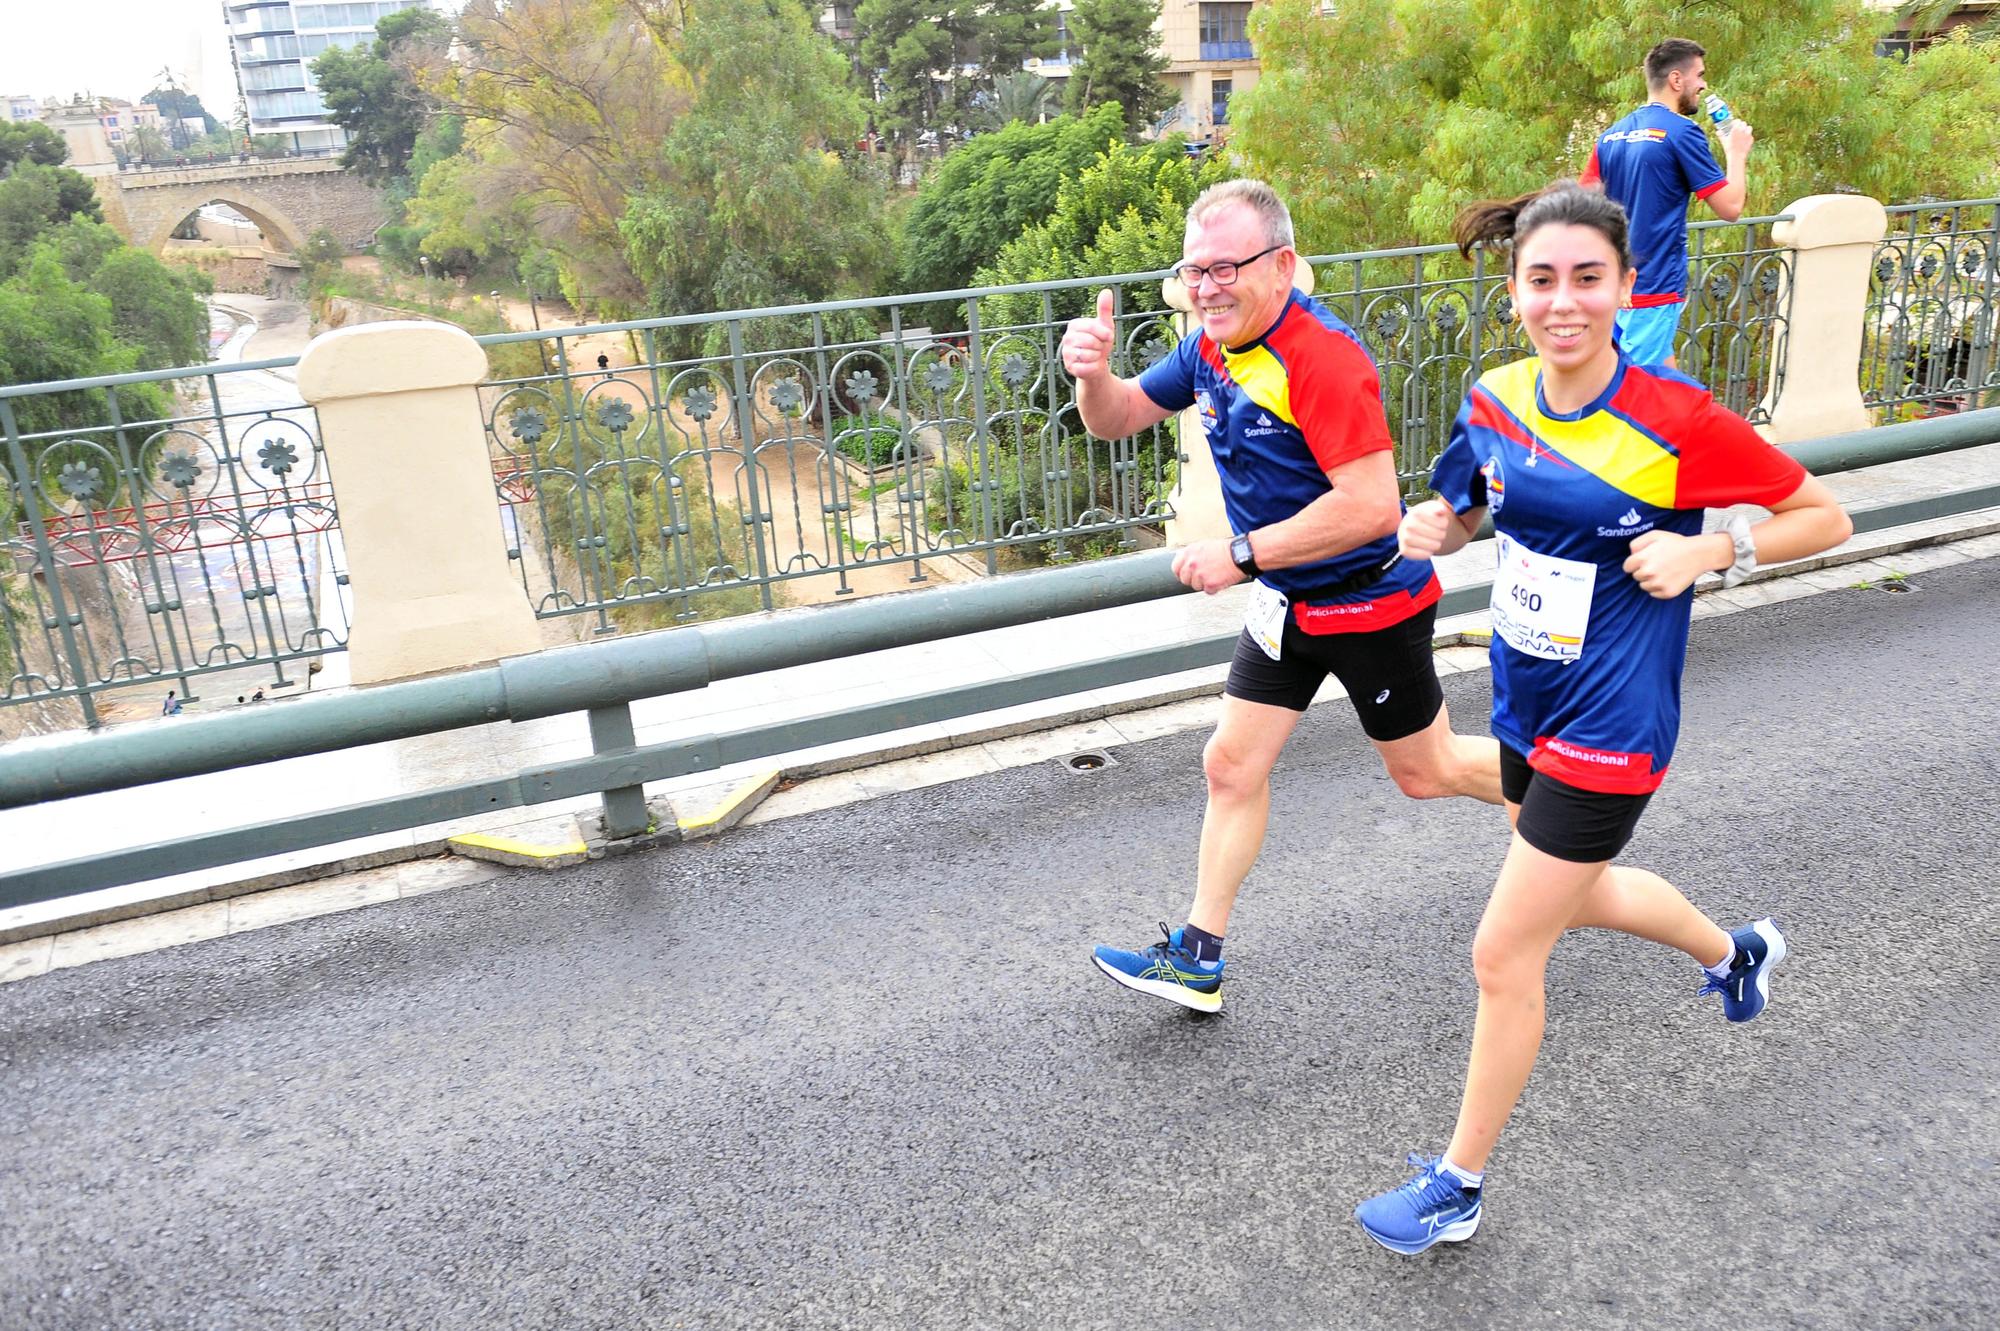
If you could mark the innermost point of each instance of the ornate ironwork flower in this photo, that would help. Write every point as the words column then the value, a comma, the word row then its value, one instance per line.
column 787, row 395
column 861, row 385
column 1153, row 353
column 1503, row 309
column 1927, row 267
column 180, row 469
column 1014, row 370
column 278, row 457
column 1388, row 323
column 699, row 402
column 1885, row 268
column 1445, row 317
column 80, row 480
column 528, row 424
column 938, row 376
column 614, row 415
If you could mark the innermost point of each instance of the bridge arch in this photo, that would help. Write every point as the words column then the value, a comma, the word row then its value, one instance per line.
column 281, row 233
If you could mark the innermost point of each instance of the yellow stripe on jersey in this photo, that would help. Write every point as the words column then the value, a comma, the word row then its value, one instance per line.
column 1262, row 375
column 1602, row 444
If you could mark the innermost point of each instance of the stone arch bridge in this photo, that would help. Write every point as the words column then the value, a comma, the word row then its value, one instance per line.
column 288, row 199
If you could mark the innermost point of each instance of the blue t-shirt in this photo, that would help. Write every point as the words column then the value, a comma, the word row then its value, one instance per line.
column 1593, row 699
column 1280, row 414
column 1650, row 162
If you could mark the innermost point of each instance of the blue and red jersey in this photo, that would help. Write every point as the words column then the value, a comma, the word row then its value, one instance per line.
column 1600, row 709
column 1280, row 414
column 1650, row 162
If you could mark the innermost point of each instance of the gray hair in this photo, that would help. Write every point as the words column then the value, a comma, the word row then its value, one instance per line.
column 1255, row 195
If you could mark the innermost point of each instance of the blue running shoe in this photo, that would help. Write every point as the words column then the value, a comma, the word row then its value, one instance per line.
column 1430, row 1208
column 1747, row 987
column 1166, row 970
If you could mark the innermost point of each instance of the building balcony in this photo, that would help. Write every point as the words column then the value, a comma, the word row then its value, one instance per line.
column 1227, row 51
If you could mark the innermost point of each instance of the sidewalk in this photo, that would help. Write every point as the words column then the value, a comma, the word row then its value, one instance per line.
column 807, row 780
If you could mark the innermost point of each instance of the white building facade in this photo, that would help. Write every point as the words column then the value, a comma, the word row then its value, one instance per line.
column 273, row 44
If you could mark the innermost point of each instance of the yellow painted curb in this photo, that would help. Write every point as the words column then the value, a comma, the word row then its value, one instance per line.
column 732, row 808
column 481, row 841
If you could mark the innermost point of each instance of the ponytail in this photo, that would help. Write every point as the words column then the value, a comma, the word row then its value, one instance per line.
column 1565, row 203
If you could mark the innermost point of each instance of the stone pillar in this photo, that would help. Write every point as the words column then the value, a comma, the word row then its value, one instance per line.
column 426, row 556
column 1832, row 238
column 1198, row 514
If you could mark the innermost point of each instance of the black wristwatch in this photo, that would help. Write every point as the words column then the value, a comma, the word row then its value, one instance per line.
column 1246, row 559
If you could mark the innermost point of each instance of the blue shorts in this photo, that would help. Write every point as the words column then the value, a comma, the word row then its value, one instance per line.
column 1647, row 334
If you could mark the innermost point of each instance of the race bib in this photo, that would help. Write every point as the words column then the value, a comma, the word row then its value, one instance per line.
column 1541, row 604
column 1264, row 617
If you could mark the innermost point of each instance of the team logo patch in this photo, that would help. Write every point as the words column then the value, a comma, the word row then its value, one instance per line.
column 1496, row 485
column 1206, row 406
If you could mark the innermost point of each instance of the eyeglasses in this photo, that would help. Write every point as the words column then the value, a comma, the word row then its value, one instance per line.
column 1222, row 274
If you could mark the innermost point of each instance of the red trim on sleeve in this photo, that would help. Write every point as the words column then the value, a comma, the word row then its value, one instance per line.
column 1724, row 462
column 1705, row 191
column 1656, row 299
column 1591, row 175
column 1336, row 396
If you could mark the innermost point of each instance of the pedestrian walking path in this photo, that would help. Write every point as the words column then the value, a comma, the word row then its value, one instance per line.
column 820, row 777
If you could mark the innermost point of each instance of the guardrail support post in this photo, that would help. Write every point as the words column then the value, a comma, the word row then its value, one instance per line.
column 1832, row 238
column 625, row 807
column 400, row 421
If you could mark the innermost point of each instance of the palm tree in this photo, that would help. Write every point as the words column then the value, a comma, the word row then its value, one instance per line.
column 1022, row 96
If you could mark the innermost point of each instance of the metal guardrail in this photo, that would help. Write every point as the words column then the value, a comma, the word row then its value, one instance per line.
column 1929, row 337
column 602, row 678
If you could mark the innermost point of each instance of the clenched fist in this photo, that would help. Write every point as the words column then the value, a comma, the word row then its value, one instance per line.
column 1424, row 528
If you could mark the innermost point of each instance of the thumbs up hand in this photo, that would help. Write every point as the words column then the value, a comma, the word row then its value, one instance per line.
column 1087, row 343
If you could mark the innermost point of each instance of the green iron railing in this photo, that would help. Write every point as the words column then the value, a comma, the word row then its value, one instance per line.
column 161, row 528
column 1934, row 310
column 170, row 526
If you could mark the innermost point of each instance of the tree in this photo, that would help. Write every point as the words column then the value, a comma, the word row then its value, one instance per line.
column 374, row 92
column 1026, row 97
column 154, row 310
column 937, row 58
column 31, row 142
column 757, row 206
column 36, row 198
column 1122, row 214
column 983, row 194
column 566, row 104
column 1378, row 122
column 178, row 106
column 1121, row 60
column 147, row 144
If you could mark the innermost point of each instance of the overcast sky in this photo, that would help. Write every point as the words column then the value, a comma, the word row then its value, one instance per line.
column 116, row 48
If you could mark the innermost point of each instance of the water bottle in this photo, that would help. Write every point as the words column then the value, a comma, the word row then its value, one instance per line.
column 1719, row 113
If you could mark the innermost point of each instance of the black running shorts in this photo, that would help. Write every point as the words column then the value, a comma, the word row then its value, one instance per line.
column 1388, row 674
column 1580, row 826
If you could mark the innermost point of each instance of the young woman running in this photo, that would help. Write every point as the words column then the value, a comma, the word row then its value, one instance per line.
column 1597, row 471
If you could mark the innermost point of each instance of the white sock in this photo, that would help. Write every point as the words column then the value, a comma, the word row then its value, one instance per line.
column 1466, row 1177
column 1720, row 970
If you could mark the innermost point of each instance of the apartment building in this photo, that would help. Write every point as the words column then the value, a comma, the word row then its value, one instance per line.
column 21, row 107
column 1209, row 60
column 272, row 44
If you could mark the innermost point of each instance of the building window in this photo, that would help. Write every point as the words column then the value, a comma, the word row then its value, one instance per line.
column 1218, row 100
column 1225, row 32
column 1062, row 38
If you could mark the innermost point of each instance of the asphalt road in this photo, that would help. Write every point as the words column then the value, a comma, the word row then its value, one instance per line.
column 853, row 1069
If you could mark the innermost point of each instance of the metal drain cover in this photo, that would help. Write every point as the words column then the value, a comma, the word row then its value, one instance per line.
column 1090, row 760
